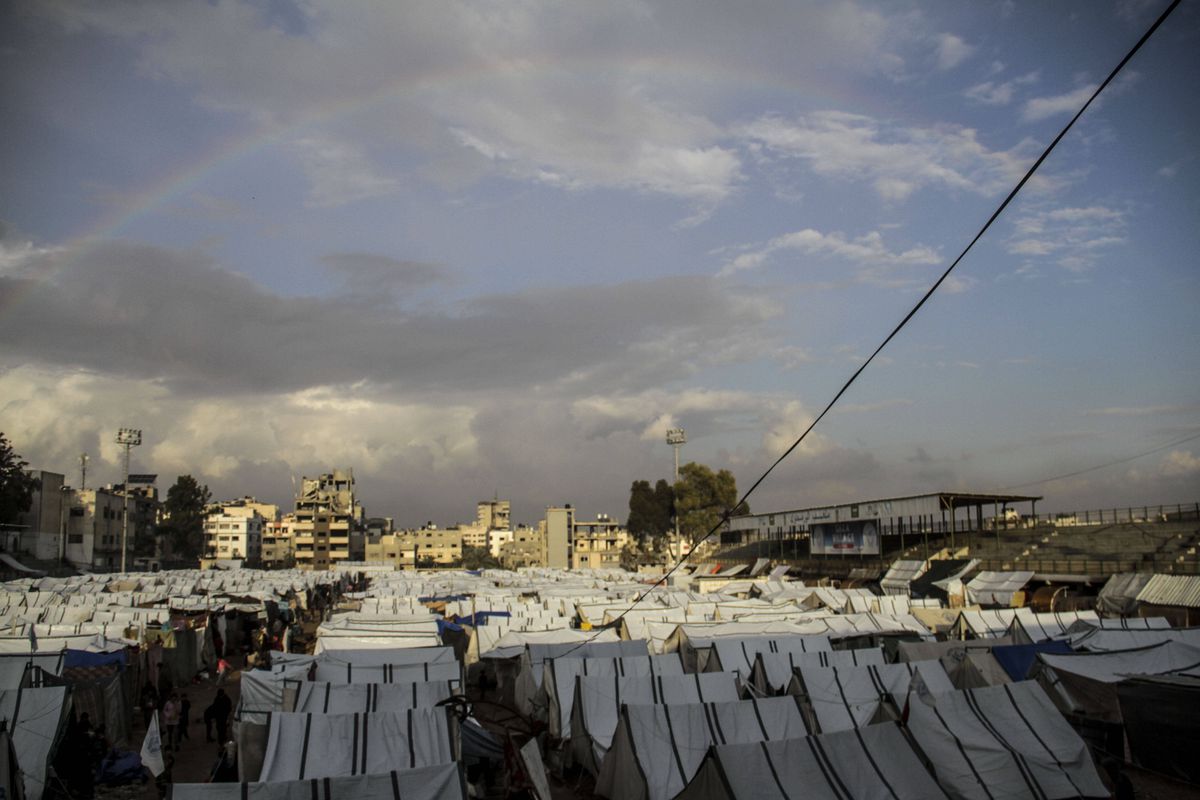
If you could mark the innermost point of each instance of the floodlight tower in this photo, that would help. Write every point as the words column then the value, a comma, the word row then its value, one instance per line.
column 127, row 438
column 677, row 439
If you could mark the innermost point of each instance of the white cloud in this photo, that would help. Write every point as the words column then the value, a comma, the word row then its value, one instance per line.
column 990, row 93
column 896, row 160
column 867, row 249
column 1179, row 463
column 1074, row 236
column 1039, row 108
column 952, row 51
column 338, row 172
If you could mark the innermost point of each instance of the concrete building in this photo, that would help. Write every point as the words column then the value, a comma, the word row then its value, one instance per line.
column 425, row 547
column 278, row 543
column 327, row 512
column 42, row 527
column 490, row 515
column 557, row 530
column 245, row 506
column 496, row 539
column 235, row 536
column 527, row 548
column 94, row 524
column 598, row 544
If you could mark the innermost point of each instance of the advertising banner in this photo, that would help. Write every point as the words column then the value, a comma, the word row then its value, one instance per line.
column 855, row 537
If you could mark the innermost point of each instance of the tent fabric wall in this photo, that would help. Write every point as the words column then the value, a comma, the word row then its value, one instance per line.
column 844, row 698
column 1160, row 716
column 873, row 763
column 440, row 782
column 1030, row 628
column 773, row 671
column 1008, row 736
column 35, row 719
column 597, row 707
column 657, row 750
column 558, row 681
column 303, row 746
column 528, row 682
column 332, row 672
column 347, row 698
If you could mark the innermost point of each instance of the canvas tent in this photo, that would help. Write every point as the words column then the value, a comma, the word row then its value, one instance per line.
column 844, row 698
column 773, row 671
column 900, row 575
column 598, row 700
column 996, row 588
column 558, row 680
column 348, row 698
column 874, row 763
column 34, row 717
column 1009, row 737
column 658, row 749
column 1160, row 723
column 303, row 746
column 439, row 782
column 1028, row 627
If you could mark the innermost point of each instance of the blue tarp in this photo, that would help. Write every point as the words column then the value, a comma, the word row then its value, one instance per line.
column 479, row 617
column 82, row 658
column 443, row 598
column 446, row 625
column 1017, row 659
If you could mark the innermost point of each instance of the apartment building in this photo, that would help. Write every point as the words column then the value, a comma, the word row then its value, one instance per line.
column 425, row 547
column 236, row 536
column 327, row 511
column 598, row 544
column 527, row 548
column 278, row 543
column 94, row 524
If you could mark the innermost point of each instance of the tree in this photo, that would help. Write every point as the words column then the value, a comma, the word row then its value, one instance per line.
column 479, row 558
column 183, row 516
column 702, row 498
column 16, row 484
column 650, row 510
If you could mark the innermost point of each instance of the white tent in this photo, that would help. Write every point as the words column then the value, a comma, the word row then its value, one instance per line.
column 900, row 574
column 843, row 698
column 558, row 681
column 348, row 698
column 1007, row 737
column 303, row 746
column 874, row 763
column 987, row 624
column 773, row 671
column 1086, row 683
column 597, row 707
column 996, row 588
column 440, row 782
column 527, row 684
column 1028, row 627
column 658, row 749
column 34, row 718
column 1107, row 639
column 334, row 672
column 728, row 654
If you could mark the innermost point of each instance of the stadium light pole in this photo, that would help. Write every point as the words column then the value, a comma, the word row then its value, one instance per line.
column 677, row 439
column 127, row 438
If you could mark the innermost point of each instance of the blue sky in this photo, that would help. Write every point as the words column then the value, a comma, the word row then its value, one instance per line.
column 478, row 248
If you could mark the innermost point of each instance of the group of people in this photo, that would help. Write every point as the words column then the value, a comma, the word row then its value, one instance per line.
column 175, row 715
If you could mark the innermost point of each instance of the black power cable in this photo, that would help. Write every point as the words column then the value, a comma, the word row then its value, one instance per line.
column 924, row 298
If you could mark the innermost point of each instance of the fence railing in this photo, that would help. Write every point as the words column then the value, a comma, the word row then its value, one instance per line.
column 1179, row 512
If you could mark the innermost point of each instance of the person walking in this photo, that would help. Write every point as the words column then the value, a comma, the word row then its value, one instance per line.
column 221, row 708
column 170, row 715
column 185, row 716
column 149, row 703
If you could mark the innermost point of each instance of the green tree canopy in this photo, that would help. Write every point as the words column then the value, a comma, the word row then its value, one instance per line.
column 650, row 510
column 16, row 485
column 183, row 516
column 702, row 497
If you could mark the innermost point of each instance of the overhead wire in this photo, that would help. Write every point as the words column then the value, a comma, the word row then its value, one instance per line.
column 907, row 317
column 1105, row 465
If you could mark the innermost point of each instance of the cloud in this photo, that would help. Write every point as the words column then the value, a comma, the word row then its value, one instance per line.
column 896, row 160
column 990, row 93
column 339, row 173
column 1039, row 108
column 1141, row 411
column 1075, row 237
column 179, row 318
column 865, row 249
column 952, row 51
column 1179, row 463
column 373, row 278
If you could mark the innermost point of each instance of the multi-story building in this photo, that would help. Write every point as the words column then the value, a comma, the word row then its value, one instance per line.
column 234, row 536
column 245, row 506
column 278, row 543
column 326, row 514
column 95, row 523
column 496, row 539
column 526, row 549
column 557, row 529
column 598, row 544
column 424, row 547
column 41, row 528
column 490, row 515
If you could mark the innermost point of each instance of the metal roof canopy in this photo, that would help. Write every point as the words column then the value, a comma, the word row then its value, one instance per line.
column 945, row 501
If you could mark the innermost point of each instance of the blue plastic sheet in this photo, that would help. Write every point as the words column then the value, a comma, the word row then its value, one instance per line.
column 1017, row 659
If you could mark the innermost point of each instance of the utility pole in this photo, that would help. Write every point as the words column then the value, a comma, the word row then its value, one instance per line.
column 127, row 438
column 83, row 459
column 677, row 439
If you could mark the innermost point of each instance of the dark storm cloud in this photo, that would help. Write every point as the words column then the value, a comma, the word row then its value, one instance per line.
column 148, row 312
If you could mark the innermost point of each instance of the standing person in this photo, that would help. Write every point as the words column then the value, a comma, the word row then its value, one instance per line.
column 149, row 702
column 221, row 707
column 170, row 715
column 185, row 716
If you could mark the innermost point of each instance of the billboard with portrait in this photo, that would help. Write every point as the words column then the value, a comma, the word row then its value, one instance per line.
column 853, row 537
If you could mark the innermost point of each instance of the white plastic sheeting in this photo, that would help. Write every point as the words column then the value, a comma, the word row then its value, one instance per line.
column 348, row 698
column 900, row 574
column 1008, row 738
column 996, row 588
column 875, row 763
column 558, row 681
column 774, row 671
column 728, row 654
column 303, row 746
column 528, row 682
column 658, row 749
column 34, row 717
column 424, row 671
column 440, row 782
column 844, row 698
column 1030, row 628
column 989, row 624
column 597, row 707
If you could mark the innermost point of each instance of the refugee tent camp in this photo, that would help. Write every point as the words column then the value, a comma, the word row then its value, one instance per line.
column 438, row 782
column 843, row 698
